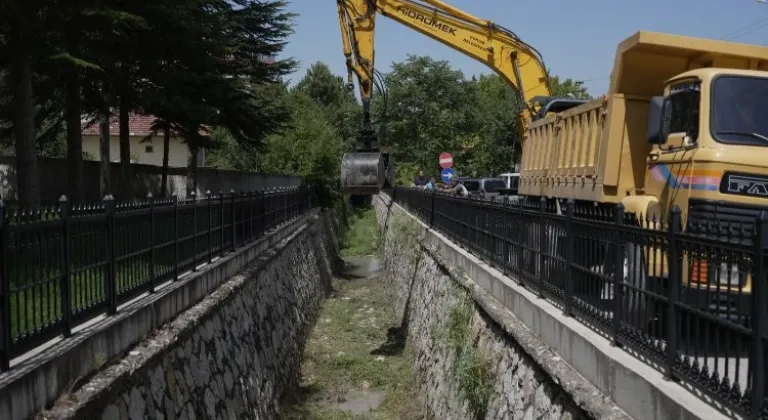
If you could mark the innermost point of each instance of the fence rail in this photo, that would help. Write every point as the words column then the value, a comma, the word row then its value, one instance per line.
column 63, row 265
column 693, row 306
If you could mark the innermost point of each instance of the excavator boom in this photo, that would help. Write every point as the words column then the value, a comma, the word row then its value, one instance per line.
column 497, row 47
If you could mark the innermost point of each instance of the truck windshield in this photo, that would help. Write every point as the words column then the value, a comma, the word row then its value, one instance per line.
column 738, row 110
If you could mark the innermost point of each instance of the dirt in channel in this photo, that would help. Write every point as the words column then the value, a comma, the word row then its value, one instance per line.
column 355, row 363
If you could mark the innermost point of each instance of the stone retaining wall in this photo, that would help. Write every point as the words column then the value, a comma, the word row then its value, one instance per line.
column 473, row 358
column 232, row 355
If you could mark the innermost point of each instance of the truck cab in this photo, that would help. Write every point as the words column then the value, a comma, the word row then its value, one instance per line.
column 709, row 157
column 709, row 138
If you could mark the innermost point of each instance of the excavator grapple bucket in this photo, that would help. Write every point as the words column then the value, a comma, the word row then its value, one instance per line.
column 362, row 173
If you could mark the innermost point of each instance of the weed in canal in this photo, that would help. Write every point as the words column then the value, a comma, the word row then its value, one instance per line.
column 363, row 234
column 471, row 370
column 344, row 373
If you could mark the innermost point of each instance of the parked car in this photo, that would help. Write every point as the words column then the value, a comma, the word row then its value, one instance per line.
column 511, row 180
column 485, row 188
column 472, row 185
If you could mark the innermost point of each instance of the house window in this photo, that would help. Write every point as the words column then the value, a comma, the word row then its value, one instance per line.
column 149, row 148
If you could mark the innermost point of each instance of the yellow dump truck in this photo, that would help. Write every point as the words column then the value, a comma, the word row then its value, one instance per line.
column 684, row 123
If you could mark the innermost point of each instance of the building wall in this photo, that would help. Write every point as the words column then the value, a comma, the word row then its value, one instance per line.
column 147, row 153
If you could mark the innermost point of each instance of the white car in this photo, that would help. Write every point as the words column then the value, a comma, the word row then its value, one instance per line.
column 512, row 180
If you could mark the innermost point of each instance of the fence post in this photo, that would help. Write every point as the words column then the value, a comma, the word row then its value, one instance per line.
column 541, row 277
column 152, row 236
column 250, row 216
column 675, row 278
column 194, row 230
column 260, row 212
column 221, row 224
column 175, row 237
column 242, row 217
column 618, row 272
column 234, row 220
column 569, row 251
column 432, row 210
column 210, row 225
column 111, row 277
column 5, row 282
column 759, row 304
column 64, row 266
column 285, row 205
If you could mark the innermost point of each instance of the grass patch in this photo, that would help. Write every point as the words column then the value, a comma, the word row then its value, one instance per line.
column 471, row 370
column 341, row 363
column 362, row 237
column 408, row 234
column 458, row 325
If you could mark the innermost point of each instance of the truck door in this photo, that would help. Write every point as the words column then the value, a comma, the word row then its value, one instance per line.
column 671, row 164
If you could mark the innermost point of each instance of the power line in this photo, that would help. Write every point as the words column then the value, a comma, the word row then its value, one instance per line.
column 595, row 79
column 745, row 30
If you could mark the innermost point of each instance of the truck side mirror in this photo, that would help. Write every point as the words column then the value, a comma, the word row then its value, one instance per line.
column 659, row 117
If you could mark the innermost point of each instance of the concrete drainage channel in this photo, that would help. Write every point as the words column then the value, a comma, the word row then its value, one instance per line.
column 356, row 364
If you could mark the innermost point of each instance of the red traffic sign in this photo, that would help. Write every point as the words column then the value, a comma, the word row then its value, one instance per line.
column 446, row 160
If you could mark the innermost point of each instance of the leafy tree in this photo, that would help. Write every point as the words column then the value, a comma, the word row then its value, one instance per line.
column 498, row 143
column 429, row 110
column 229, row 84
column 312, row 149
column 325, row 116
column 433, row 108
column 568, row 88
column 331, row 93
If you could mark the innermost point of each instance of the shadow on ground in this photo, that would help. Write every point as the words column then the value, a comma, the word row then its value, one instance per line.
column 395, row 344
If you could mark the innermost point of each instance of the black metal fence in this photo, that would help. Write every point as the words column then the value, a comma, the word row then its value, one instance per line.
column 692, row 306
column 63, row 265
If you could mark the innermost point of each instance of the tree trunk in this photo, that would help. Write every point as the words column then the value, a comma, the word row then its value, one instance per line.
column 166, row 153
column 27, row 165
column 104, row 146
column 126, row 183
column 73, row 115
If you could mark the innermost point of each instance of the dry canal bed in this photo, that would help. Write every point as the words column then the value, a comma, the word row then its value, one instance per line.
column 356, row 363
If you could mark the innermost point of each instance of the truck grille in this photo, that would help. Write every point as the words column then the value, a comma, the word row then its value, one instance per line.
column 723, row 221
column 733, row 223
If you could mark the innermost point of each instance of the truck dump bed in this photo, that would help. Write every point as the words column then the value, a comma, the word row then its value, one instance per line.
column 597, row 151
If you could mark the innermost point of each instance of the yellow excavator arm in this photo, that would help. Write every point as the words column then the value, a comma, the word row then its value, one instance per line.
column 367, row 170
column 500, row 49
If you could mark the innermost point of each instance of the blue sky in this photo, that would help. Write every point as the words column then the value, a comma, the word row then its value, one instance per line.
column 577, row 38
